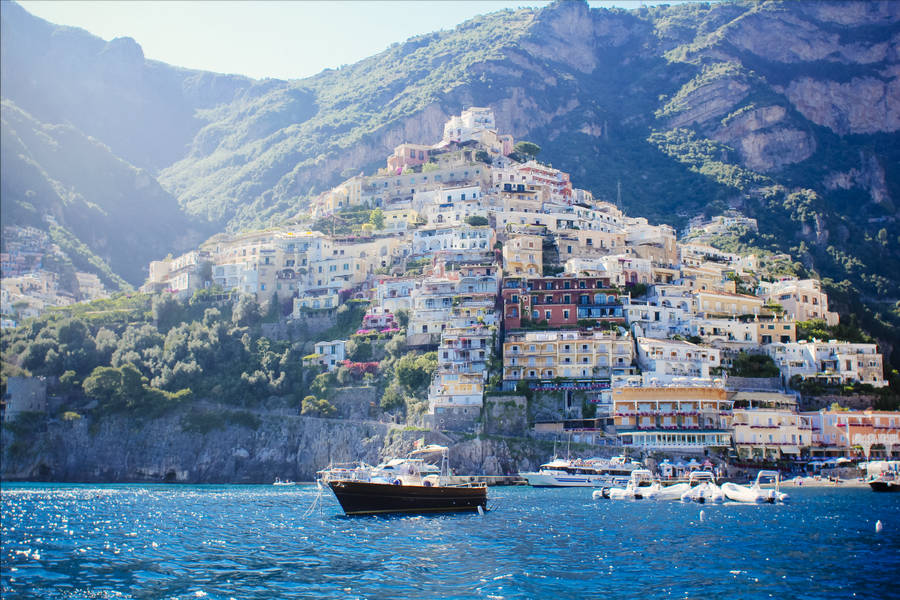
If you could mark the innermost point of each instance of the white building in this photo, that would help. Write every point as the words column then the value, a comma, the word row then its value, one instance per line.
column 831, row 362
column 803, row 299
column 331, row 354
column 666, row 359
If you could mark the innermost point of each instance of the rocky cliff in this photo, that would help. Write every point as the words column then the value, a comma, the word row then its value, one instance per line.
column 242, row 447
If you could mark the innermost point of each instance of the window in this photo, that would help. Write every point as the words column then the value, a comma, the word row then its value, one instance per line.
column 547, row 314
column 565, row 314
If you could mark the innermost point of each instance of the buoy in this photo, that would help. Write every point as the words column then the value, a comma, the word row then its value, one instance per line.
column 702, row 516
column 481, row 511
column 878, row 526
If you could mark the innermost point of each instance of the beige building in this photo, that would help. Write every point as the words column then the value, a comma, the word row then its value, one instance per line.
column 802, row 299
column 523, row 255
column 713, row 303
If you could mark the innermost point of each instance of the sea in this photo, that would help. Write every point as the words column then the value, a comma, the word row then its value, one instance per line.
column 210, row 541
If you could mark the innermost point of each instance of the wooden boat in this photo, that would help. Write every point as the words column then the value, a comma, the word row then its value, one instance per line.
column 409, row 485
column 367, row 498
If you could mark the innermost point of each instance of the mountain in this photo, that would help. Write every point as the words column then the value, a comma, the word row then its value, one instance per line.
column 787, row 111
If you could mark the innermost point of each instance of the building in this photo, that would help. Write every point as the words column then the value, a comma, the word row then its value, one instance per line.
column 523, row 255
column 567, row 354
column 831, row 363
column 802, row 299
column 766, row 426
column 672, row 418
column 559, row 301
column 331, row 354
column 724, row 304
column 24, row 394
column 668, row 359
column 844, row 432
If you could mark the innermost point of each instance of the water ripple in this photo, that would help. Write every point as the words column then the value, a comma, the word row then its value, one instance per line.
column 116, row 542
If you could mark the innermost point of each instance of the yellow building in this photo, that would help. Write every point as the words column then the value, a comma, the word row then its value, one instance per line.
column 672, row 418
column 576, row 354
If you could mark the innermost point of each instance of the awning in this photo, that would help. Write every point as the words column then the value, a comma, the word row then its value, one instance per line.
column 790, row 450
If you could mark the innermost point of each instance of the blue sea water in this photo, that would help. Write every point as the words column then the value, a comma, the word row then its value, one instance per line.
column 158, row 541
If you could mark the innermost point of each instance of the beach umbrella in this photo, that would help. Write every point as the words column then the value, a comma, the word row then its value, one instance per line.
column 842, row 460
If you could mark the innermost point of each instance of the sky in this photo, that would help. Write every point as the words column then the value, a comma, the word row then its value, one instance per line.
column 286, row 39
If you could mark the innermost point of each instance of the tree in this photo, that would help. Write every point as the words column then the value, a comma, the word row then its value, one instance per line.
column 528, row 149
column 104, row 384
column 376, row 218
column 246, row 312
column 477, row 220
column 319, row 407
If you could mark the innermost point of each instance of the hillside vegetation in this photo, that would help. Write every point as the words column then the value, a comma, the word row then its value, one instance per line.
column 787, row 111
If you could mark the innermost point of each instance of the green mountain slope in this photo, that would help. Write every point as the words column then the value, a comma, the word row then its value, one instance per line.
column 109, row 217
column 787, row 111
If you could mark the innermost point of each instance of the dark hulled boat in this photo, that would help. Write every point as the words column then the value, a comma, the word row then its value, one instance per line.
column 403, row 485
column 366, row 498
column 885, row 484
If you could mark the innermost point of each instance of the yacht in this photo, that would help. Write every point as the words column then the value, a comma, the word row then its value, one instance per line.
column 591, row 472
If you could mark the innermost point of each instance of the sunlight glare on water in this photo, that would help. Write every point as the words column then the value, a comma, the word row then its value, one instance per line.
column 158, row 541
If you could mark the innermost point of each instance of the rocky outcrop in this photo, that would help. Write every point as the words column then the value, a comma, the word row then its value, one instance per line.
column 764, row 139
column 863, row 105
column 781, row 36
column 245, row 447
column 869, row 176
column 714, row 100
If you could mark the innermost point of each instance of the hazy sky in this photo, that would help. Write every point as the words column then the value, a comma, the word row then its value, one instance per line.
column 284, row 39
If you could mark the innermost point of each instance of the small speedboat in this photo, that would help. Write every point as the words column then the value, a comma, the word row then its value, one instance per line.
column 703, row 489
column 640, row 485
column 755, row 493
column 283, row 482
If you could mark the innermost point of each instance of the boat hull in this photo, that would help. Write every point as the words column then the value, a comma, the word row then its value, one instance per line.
column 884, row 486
column 539, row 479
column 364, row 498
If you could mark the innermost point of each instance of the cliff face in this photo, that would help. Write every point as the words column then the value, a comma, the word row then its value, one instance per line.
column 289, row 446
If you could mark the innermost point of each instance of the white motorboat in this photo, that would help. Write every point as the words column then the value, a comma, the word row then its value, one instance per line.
column 672, row 492
column 703, row 488
column 591, row 472
column 755, row 493
column 279, row 481
column 640, row 485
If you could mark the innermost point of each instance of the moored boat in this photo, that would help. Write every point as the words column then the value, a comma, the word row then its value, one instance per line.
column 703, row 488
column 591, row 472
column 640, row 485
column 886, row 482
column 404, row 485
column 755, row 493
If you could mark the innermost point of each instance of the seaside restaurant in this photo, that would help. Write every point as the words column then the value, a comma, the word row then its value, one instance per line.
column 872, row 433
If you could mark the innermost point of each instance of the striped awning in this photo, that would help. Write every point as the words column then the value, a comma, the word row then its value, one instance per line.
column 790, row 450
